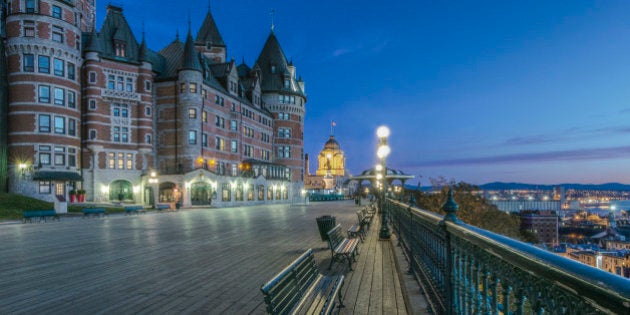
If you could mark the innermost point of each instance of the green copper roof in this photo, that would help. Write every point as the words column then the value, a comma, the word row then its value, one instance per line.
column 191, row 57
column 115, row 28
column 274, row 68
column 209, row 33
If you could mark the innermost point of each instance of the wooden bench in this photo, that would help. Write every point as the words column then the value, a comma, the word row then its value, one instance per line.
column 28, row 215
column 134, row 209
column 163, row 206
column 300, row 288
column 360, row 228
column 367, row 216
column 342, row 248
column 97, row 212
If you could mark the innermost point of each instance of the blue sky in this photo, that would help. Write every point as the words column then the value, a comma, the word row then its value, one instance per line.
column 478, row 91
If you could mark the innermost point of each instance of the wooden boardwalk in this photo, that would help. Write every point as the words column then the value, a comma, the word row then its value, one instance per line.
column 202, row 261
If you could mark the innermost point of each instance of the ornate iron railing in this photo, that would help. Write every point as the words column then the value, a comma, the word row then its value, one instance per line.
column 462, row 269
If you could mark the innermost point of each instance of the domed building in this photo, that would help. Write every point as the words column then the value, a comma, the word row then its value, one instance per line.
column 331, row 168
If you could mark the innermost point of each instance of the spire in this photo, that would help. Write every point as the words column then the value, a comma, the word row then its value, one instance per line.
column 272, row 13
column 142, row 53
column 191, row 60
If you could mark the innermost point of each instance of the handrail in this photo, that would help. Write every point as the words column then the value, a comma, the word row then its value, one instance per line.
column 465, row 269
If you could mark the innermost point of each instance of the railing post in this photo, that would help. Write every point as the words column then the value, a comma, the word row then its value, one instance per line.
column 450, row 208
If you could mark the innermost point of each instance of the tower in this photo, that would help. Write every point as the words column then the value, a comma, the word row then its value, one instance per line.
column 283, row 95
column 43, row 51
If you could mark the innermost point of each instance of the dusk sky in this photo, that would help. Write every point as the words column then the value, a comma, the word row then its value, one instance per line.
column 478, row 91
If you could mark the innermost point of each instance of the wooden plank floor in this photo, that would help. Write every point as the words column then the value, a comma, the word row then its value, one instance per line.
column 202, row 261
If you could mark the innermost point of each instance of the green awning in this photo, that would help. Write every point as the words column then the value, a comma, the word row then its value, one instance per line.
column 58, row 176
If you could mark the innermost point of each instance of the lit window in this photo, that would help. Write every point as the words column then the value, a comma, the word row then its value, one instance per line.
column 121, row 48
column 129, row 161
column 111, row 160
column 121, row 161
column 192, row 113
column 192, row 87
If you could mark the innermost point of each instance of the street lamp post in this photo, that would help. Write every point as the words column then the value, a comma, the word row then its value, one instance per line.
column 382, row 152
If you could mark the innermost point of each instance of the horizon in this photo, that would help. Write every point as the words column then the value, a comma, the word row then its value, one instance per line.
column 478, row 92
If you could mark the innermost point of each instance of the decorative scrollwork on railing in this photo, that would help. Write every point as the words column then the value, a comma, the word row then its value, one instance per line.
column 466, row 270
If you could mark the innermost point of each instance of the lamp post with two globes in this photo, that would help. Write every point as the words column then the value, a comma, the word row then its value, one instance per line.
column 382, row 152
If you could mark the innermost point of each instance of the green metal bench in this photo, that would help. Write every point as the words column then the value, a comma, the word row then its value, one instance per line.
column 359, row 229
column 97, row 212
column 301, row 289
column 134, row 209
column 342, row 248
column 28, row 215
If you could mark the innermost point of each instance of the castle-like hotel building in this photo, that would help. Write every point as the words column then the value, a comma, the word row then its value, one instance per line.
column 97, row 110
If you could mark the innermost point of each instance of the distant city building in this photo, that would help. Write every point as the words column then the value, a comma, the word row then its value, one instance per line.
column 100, row 111
column 543, row 224
column 524, row 205
column 331, row 171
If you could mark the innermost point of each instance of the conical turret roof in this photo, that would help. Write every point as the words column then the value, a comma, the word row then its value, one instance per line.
column 275, row 68
column 191, row 58
column 209, row 33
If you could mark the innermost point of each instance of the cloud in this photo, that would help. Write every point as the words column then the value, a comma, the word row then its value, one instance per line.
column 551, row 156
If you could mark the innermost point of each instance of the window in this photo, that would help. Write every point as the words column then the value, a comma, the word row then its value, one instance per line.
column 234, row 146
column 116, row 134
column 284, row 152
column 29, row 28
column 92, row 104
column 44, row 154
column 283, row 116
column 204, row 94
column 204, row 116
column 147, row 139
column 30, row 6
column 226, row 192
column 60, row 125
column 72, row 127
column 147, row 85
column 56, row 12
column 286, row 83
column 71, row 71
column 192, row 87
column 60, row 96
column 60, row 156
column 220, row 144
column 273, row 69
column 120, row 110
column 72, row 99
column 77, row 19
column 192, row 137
column 233, row 125
column 121, row 48
column 57, row 34
column 44, row 187
column 28, row 63
column 125, row 134
column 58, row 67
column 44, row 94
column 72, row 157
column 120, row 84
column 121, row 161
column 77, row 42
column 43, row 64
column 129, row 161
column 92, row 134
column 111, row 82
column 284, row 132
column 204, row 140
column 147, row 111
column 219, row 121
column 129, row 85
column 44, row 123
column 247, row 150
column 111, row 160
column 192, row 113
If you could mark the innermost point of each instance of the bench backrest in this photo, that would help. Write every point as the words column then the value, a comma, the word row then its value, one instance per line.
column 335, row 237
column 361, row 216
column 38, row 213
column 286, row 288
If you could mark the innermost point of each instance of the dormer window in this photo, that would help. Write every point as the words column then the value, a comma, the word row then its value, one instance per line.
column 286, row 83
column 121, row 48
column 273, row 69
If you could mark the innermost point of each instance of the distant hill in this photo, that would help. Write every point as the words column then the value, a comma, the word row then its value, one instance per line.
column 522, row 186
